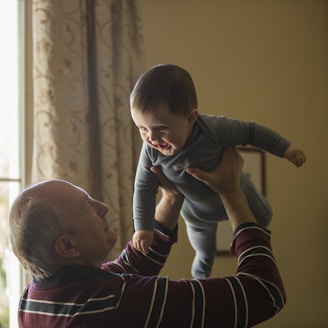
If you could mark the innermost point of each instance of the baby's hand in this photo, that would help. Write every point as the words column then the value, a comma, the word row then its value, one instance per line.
column 142, row 239
column 295, row 155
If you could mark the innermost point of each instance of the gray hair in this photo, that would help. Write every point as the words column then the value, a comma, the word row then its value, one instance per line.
column 34, row 226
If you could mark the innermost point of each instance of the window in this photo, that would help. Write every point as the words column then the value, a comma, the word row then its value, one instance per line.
column 10, row 151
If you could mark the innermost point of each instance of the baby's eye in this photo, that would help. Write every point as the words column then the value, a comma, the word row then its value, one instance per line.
column 161, row 128
column 142, row 129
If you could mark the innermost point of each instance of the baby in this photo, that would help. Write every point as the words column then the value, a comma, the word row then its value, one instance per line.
column 175, row 137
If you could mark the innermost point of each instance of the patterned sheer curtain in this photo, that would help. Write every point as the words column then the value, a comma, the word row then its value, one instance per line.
column 87, row 56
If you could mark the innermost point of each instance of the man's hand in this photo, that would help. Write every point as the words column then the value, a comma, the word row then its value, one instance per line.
column 166, row 185
column 225, row 181
column 226, row 176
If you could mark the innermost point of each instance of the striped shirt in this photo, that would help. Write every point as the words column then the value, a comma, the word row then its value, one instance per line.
column 128, row 292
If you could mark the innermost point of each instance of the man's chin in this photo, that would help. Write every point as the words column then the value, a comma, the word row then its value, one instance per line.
column 111, row 239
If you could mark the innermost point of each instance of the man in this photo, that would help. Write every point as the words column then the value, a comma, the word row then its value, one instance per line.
column 60, row 235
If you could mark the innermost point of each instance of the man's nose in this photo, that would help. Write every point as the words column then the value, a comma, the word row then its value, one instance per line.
column 101, row 207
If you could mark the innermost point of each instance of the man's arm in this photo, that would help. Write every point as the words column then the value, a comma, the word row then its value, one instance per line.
column 256, row 291
column 168, row 208
column 251, row 296
column 254, row 294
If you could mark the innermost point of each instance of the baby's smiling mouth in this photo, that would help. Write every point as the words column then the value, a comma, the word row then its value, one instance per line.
column 161, row 145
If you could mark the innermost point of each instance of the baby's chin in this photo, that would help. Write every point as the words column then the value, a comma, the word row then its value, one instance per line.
column 168, row 152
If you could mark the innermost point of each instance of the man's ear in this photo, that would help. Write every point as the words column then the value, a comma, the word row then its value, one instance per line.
column 192, row 116
column 64, row 247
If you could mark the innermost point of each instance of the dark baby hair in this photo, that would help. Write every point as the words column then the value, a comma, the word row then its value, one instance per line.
column 164, row 84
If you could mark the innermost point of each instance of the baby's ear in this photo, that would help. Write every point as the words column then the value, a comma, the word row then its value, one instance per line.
column 192, row 116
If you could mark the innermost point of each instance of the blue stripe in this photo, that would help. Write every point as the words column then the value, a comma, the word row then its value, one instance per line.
column 159, row 302
column 198, row 304
column 156, row 256
column 241, row 314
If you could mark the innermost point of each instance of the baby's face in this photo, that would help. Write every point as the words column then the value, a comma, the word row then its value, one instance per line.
column 163, row 130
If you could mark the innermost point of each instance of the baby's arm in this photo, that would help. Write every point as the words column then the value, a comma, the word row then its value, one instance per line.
column 167, row 211
column 142, row 239
column 295, row 155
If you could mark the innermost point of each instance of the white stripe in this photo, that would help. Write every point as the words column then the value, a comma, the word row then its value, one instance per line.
column 234, row 300
column 260, row 281
column 68, row 315
column 245, row 299
column 257, row 255
column 252, row 227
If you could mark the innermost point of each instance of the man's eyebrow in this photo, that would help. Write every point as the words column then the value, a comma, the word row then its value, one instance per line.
column 84, row 198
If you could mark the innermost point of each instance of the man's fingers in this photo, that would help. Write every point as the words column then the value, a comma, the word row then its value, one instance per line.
column 157, row 171
column 197, row 173
column 164, row 182
column 225, row 175
column 160, row 176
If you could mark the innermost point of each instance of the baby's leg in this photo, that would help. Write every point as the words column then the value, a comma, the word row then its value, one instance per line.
column 258, row 203
column 202, row 237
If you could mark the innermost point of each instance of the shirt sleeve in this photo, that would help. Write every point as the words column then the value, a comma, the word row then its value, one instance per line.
column 253, row 295
column 144, row 196
column 257, row 135
column 134, row 261
column 232, row 132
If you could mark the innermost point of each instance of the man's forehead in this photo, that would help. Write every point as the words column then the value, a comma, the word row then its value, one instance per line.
column 52, row 188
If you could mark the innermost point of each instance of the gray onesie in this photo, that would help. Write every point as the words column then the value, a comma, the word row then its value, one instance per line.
column 202, row 208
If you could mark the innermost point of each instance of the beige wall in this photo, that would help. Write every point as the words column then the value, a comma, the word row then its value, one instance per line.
column 265, row 61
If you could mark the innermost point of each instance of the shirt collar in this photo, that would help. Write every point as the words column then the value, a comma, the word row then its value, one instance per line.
column 72, row 273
